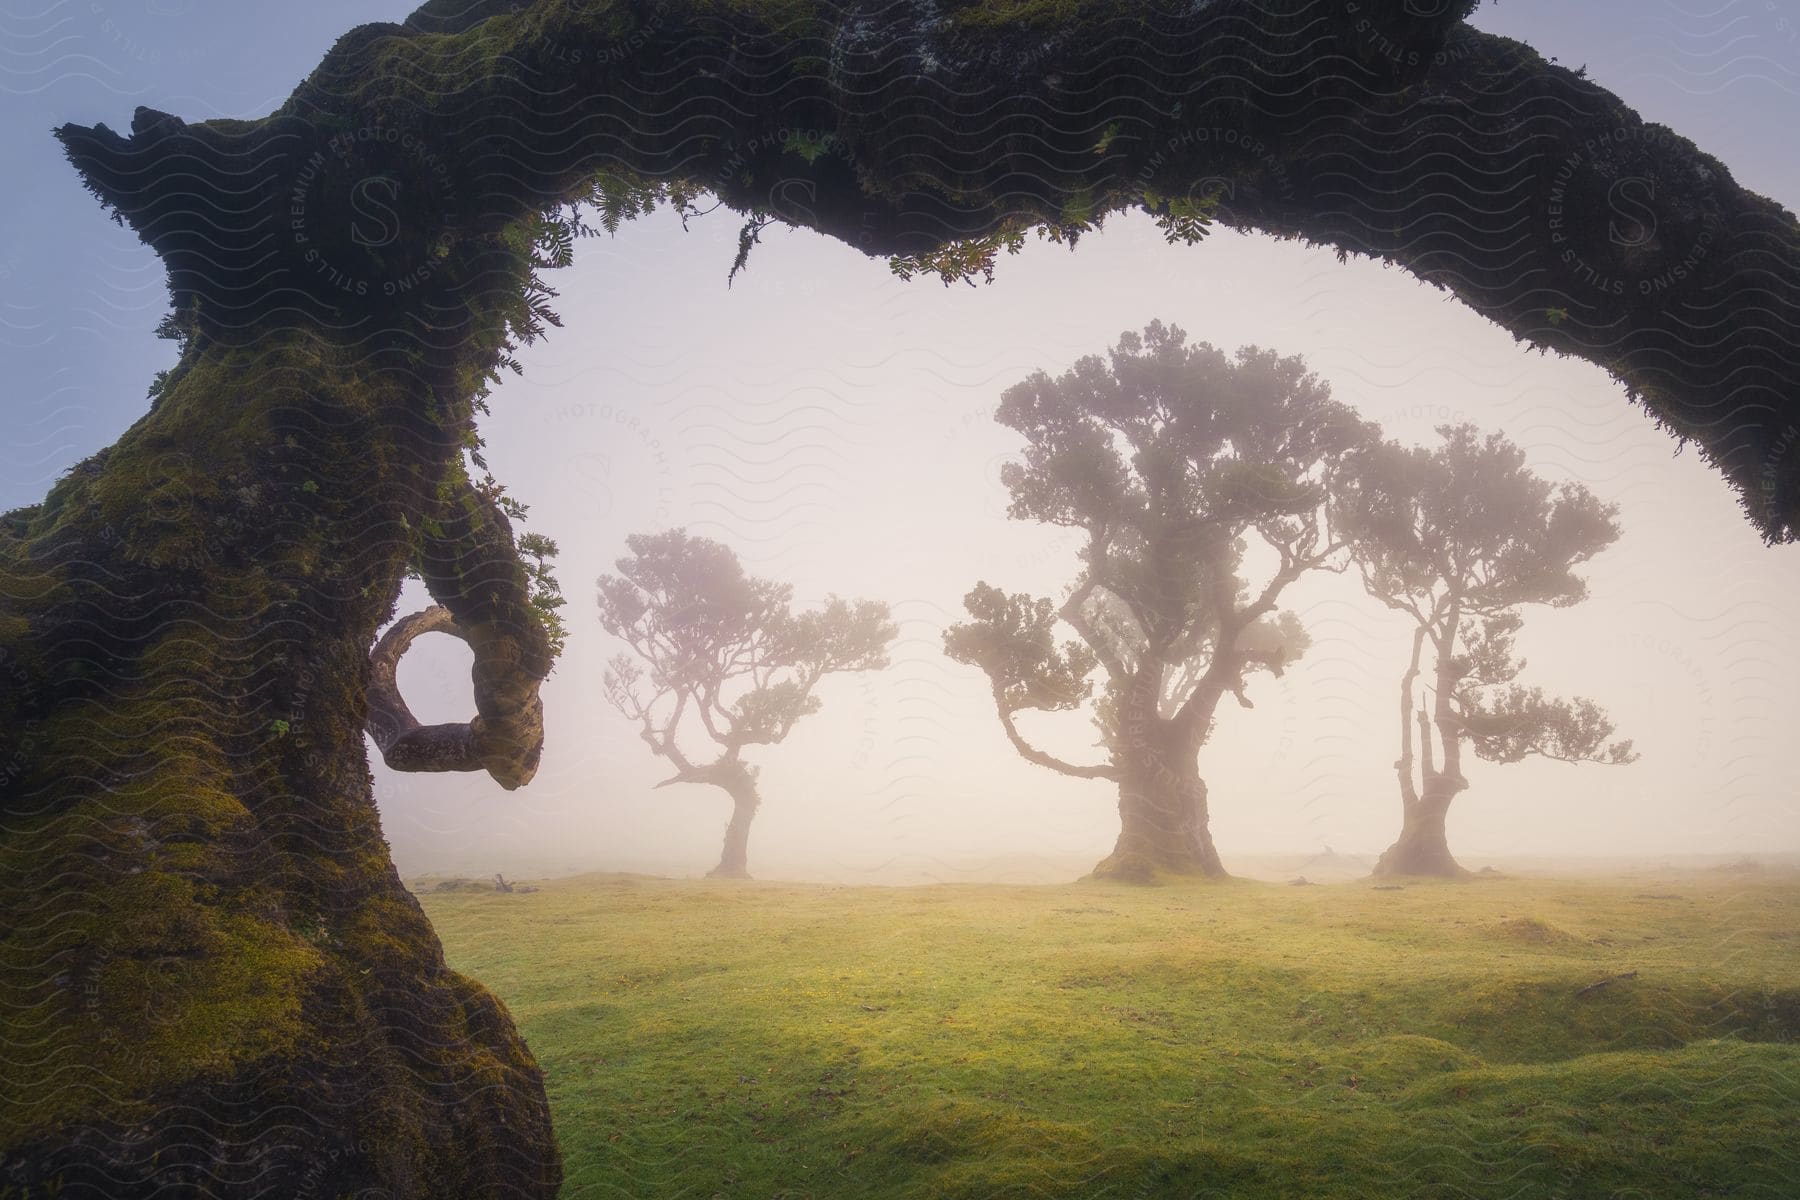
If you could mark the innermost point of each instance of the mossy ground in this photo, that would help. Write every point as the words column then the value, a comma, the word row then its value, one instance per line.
column 1248, row 1040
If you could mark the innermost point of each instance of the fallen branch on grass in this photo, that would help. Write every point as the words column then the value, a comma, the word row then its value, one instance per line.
column 1609, row 980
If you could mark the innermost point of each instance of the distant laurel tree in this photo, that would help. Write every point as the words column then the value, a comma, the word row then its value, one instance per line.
column 1172, row 459
column 714, row 647
column 1458, row 538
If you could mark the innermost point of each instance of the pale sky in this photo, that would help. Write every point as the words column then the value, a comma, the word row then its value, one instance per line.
column 833, row 424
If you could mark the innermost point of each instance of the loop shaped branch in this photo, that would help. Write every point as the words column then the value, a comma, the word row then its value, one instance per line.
column 505, row 738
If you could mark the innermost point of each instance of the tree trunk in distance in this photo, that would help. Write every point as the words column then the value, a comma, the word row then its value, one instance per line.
column 1162, row 822
column 1422, row 849
column 734, row 861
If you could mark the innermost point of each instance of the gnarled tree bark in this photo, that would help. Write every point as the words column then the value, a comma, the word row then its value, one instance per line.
column 1162, row 822
column 215, row 983
column 1163, row 819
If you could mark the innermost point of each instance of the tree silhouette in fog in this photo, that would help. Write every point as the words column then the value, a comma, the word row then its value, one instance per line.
column 1459, row 538
column 724, row 651
column 1173, row 458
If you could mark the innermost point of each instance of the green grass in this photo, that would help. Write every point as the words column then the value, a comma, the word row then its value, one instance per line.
column 1241, row 1040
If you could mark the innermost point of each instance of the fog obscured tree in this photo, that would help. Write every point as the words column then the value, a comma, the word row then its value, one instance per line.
column 1459, row 538
column 722, row 655
column 1175, row 460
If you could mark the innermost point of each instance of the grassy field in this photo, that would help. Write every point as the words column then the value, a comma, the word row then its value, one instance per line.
column 1243, row 1040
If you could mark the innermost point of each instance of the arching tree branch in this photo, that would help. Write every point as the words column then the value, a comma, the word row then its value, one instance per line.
column 1032, row 754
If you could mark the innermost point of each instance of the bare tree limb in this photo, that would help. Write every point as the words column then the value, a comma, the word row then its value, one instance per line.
column 1032, row 754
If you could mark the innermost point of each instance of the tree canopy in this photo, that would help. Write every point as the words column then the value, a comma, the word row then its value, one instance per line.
column 1459, row 537
column 712, row 645
column 1174, row 459
column 725, row 646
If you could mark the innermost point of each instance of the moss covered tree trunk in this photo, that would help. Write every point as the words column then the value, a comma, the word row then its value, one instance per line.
column 227, row 988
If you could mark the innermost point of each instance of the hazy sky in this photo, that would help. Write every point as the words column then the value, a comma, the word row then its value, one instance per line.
column 834, row 425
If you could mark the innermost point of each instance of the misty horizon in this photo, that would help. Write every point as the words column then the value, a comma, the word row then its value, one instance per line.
column 865, row 463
